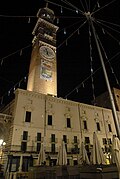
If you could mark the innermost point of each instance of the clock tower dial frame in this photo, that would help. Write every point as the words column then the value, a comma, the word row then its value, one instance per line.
column 47, row 52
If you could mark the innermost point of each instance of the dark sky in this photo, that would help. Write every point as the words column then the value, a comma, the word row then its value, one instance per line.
column 73, row 48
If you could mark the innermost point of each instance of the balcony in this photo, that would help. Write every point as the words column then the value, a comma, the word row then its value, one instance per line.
column 17, row 148
column 33, row 150
column 75, row 142
column 75, row 150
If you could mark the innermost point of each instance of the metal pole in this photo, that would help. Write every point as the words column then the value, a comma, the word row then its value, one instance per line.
column 106, row 78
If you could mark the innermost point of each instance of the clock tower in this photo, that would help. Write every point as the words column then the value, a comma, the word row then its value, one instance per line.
column 42, row 76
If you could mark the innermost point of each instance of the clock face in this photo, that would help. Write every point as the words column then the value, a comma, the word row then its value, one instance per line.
column 47, row 52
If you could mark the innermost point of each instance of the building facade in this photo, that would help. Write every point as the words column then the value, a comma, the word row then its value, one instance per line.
column 104, row 100
column 42, row 118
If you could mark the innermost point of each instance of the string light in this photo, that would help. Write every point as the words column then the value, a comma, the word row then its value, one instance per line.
column 91, row 58
column 25, row 79
column 103, row 31
column 1, row 62
column 1, row 102
column 112, row 70
column 91, row 70
column 77, row 90
column 19, row 84
column 66, row 43
column 106, row 56
column 21, row 52
column 77, row 11
column 57, row 20
column 29, row 20
column 90, row 34
column 64, row 31
column 8, row 93
column 98, row 4
column 61, row 10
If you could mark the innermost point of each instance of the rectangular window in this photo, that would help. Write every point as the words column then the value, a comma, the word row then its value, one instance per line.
column 28, row 116
column 87, row 147
column 109, row 141
column 109, row 128
column 38, row 147
column 87, row 140
column 65, row 138
column 53, row 148
column 75, row 139
column 104, row 141
column 49, row 119
column 25, row 135
column 23, row 146
column 38, row 136
column 68, row 123
column 52, row 137
column 98, row 126
column 75, row 144
column 85, row 124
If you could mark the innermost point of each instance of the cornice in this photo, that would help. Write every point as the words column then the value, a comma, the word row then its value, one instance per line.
column 40, row 20
column 46, row 44
column 51, row 98
column 30, row 93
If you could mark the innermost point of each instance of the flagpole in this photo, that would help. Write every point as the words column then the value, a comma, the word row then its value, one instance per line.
column 88, row 16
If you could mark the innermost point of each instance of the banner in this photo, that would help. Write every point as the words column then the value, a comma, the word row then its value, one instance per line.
column 46, row 70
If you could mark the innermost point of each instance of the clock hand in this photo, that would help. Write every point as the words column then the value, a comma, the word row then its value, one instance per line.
column 47, row 52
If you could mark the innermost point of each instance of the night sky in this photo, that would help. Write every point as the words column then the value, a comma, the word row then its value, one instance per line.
column 75, row 60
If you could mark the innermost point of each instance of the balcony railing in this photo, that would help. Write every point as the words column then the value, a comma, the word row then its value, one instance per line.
column 33, row 149
column 75, row 150
column 75, row 141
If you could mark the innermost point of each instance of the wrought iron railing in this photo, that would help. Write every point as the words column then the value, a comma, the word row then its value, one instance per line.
column 33, row 149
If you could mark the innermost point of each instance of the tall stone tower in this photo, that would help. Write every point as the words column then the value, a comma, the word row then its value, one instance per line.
column 42, row 76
